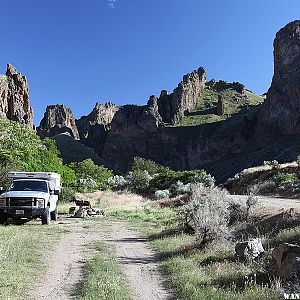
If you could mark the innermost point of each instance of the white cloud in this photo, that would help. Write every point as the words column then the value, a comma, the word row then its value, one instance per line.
column 112, row 3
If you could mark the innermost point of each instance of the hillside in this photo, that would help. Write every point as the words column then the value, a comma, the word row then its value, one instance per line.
column 72, row 150
column 206, row 110
column 270, row 179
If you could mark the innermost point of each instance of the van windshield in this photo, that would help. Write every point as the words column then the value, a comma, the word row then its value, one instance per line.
column 29, row 185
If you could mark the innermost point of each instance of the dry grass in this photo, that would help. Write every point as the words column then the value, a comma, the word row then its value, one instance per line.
column 114, row 199
column 265, row 168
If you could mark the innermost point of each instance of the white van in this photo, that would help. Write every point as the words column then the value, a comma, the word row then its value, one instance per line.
column 31, row 195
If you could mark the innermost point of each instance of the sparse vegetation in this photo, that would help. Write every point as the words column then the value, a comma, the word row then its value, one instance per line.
column 209, row 273
column 205, row 112
column 208, row 210
column 270, row 179
column 104, row 279
column 23, row 250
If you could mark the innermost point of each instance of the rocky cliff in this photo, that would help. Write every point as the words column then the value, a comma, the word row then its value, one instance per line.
column 94, row 127
column 58, row 119
column 14, row 97
column 280, row 114
column 215, row 125
column 184, row 98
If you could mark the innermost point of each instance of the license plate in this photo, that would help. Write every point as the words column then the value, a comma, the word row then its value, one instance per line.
column 19, row 212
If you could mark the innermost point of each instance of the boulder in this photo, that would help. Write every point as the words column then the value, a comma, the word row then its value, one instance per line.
column 249, row 250
column 286, row 259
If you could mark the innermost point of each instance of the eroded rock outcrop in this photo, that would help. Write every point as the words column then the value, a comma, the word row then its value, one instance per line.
column 58, row 119
column 184, row 98
column 14, row 97
column 222, row 85
column 280, row 112
column 93, row 127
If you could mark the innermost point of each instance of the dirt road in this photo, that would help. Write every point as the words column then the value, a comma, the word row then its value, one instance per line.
column 66, row 262
column 273, row 202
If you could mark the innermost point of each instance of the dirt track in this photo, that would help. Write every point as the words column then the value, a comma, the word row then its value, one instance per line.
column 272, row 202
column 139, row 264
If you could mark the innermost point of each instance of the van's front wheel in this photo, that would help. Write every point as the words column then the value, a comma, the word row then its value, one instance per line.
column 46, row 217
column 54, row 214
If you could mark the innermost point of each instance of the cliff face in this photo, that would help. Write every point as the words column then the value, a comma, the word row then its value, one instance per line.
column 94, row 127
column 58, row 119
column 14, row 97
column 280, row 114
column 226, row 139
column 183, row 99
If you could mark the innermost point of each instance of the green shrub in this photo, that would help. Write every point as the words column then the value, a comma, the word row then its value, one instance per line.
column 141, row 164
column 285, row 178
column 209, row 212
column 67, row 195
column 117, row 182
column 139, row 180
column 179, row 188
column 88, row 170
column 167, row 177
column 162, row 194
column 23, row 150
column 274, row 164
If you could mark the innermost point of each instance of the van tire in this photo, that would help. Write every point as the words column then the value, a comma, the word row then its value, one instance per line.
column 3, row 218
column 54, row 214
column 46, row 217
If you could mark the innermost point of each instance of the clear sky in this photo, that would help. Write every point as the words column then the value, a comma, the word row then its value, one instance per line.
column 78, row 52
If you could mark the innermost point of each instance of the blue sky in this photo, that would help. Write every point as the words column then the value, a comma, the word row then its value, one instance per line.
column 78, row 52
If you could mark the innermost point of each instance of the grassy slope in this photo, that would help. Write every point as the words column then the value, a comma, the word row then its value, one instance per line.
column 283, row 180
column 73, row 151
column 233, row 103
column 23, row 250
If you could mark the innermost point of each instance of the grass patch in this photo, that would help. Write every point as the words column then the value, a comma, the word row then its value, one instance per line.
column 205, row 111
column 104, row 279
column 22, row 252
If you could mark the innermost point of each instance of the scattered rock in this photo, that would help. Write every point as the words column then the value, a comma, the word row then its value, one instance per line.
column 84, row 212
column 249, row 250
column 286, row 258
column 222, row 85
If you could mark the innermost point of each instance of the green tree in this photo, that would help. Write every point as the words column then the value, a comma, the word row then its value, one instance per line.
column 88, row 170
column 22, row 150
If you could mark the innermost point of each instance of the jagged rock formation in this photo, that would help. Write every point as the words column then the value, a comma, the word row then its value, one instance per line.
column 93, row 128
column 134, row 132
column 280, row 114
column 223, row 85
column 14, row 97
column 220, row 106
column 234, row 138
column 58, row 119
column 183, row 99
